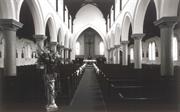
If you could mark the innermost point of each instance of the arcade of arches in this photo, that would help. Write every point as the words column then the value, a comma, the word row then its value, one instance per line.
column 135, row 45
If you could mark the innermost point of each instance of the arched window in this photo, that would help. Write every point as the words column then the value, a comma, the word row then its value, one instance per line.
column 101, row 48
column 152, row 51
column 77, row 48
column 131, row 54
column 175, row 49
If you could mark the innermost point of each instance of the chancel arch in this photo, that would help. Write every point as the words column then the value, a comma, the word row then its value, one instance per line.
column 90, row 43
column 75, row 37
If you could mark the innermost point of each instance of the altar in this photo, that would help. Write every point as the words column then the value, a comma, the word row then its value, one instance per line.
column 89, row 61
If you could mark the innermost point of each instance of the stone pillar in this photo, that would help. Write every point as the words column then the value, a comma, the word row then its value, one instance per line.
column 62, row 54
column 9, row 28
column 138, row 50
column 177, row 34
column 109, row 56
column 53, row 46
column 64, row 51
column 117, row 53
column 40, row 41
column 125, row 52
column 69, row 54
column 166, row 25
column 112, row 57
column 119, row 49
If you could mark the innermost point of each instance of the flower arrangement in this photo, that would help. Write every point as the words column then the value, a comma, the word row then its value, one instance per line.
column 48, row 59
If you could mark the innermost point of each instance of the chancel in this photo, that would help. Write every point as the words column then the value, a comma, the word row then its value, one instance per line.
column 89, row 55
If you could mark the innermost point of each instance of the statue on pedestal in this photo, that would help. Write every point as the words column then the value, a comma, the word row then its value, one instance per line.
column 49, row 60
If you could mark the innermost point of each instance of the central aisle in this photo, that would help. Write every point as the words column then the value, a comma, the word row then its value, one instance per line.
column 88, row 97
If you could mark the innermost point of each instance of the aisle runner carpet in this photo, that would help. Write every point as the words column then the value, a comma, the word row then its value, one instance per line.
column 88, row 97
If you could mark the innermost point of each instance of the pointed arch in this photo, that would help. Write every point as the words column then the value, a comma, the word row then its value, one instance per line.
column 36, row 13
column 60, row 35
column 125, row 26
column 52, row 28
column 86, row 27
column 140, row 15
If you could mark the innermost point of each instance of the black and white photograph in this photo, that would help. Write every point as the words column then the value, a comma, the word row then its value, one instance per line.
column 89, row 55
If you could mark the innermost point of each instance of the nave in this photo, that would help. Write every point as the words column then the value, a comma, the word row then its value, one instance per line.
column 88, row 97
column 102, row 88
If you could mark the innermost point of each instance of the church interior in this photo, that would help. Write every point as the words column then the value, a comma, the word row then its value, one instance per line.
column 89, row 55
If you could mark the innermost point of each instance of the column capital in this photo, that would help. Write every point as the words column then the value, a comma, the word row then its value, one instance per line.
column 53, row 43
column 124, row 42
column 60, row 46
column 166, row 22
column 68, row 49
column 138, row 36
column 117, row 46
column 40, row 37
column 112, row 48
column 10, row 24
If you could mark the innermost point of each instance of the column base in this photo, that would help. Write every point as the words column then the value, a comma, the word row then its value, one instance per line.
column 51, row 108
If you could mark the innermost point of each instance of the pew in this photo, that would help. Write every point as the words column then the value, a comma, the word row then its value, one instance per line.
column 28, row 86
column 127, row 84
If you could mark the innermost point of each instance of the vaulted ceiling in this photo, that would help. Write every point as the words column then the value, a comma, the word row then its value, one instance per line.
column 75, row 5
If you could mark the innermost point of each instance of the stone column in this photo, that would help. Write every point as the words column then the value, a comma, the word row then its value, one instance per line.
column 125, row 52
column 62, row 54
column 112, row 57
column 119, row 58
column 138, row 50
column 117, row 53
column 177, row 34
column 9, row 28
column 53, row 46
column 166, row 25
column 69, row 54
column 40, row 41
column 108, row 60
column 64, row 51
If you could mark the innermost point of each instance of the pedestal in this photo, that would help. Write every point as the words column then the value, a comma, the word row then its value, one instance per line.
column 50, row 93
